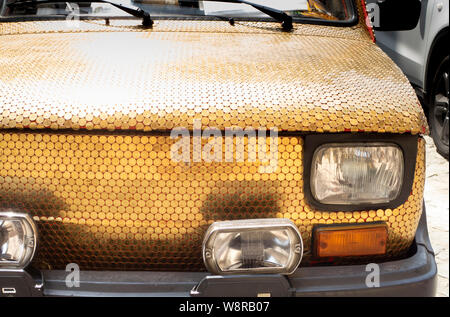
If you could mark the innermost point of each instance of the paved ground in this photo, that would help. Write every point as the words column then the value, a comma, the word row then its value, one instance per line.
column 436, row 200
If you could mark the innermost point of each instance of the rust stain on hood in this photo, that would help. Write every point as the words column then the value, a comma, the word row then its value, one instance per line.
column 329, row 81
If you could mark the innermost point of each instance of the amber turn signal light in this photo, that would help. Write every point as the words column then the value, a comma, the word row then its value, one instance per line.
column 350, row 240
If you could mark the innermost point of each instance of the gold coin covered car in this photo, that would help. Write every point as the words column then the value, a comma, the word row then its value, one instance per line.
column 208, row 148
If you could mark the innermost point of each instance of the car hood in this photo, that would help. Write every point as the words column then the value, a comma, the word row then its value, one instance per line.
column 321, row 79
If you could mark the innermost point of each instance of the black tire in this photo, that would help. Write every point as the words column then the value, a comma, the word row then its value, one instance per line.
column 438, row 111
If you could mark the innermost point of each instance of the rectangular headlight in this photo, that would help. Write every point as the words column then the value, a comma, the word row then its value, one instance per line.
column 343, row 173
column 252, row 246
column 18, row 236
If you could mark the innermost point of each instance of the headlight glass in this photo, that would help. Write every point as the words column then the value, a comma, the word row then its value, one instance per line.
column 243, row 250
column 17, row 240
column 259, row 245
column 343, row 174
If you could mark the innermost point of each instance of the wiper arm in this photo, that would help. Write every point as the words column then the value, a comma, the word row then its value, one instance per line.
column 285, row 19
column 137, row 12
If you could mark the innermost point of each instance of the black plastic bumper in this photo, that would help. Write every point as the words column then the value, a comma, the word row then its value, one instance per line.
column 414, row 276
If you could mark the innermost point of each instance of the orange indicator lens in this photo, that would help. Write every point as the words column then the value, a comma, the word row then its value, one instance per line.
column 353, row 240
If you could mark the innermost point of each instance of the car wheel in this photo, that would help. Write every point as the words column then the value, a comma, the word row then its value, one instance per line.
column 438, row 113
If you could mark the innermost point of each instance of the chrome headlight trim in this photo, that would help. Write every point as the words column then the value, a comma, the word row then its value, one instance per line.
column 247, row 225
column 30, row 243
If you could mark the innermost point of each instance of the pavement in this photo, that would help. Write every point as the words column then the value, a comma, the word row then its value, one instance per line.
column 436, row 201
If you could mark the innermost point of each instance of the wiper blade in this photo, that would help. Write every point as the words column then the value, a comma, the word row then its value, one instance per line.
column 137, row 12
column 285, row 19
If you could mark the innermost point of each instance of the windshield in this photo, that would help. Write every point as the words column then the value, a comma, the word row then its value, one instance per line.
column 300, row 10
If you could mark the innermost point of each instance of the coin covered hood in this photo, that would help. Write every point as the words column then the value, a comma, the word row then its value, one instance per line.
column 321, row 79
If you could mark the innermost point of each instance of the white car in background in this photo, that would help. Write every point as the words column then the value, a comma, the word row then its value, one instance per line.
column 423, row 55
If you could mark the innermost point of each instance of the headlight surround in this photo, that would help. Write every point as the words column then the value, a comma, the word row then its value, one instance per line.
column 358, row 173
column 18, row 239
column 252, row 246
column 406, row 143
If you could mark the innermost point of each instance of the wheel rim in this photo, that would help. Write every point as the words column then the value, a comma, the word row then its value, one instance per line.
column 441, row 109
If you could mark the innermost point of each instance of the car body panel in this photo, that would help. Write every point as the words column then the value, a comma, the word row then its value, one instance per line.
column 118, row 201
column 222, row 75
column 101, row 100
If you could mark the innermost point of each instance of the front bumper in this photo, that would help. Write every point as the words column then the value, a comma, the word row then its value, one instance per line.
column 413, row 276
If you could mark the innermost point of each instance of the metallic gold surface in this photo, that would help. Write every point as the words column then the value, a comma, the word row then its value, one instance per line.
column 116, row 200
column 120, row 202
column 318, row 78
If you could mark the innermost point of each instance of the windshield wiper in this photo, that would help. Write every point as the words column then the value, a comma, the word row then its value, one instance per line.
column 137, row 12
column 285, row 19
column 280, row 16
